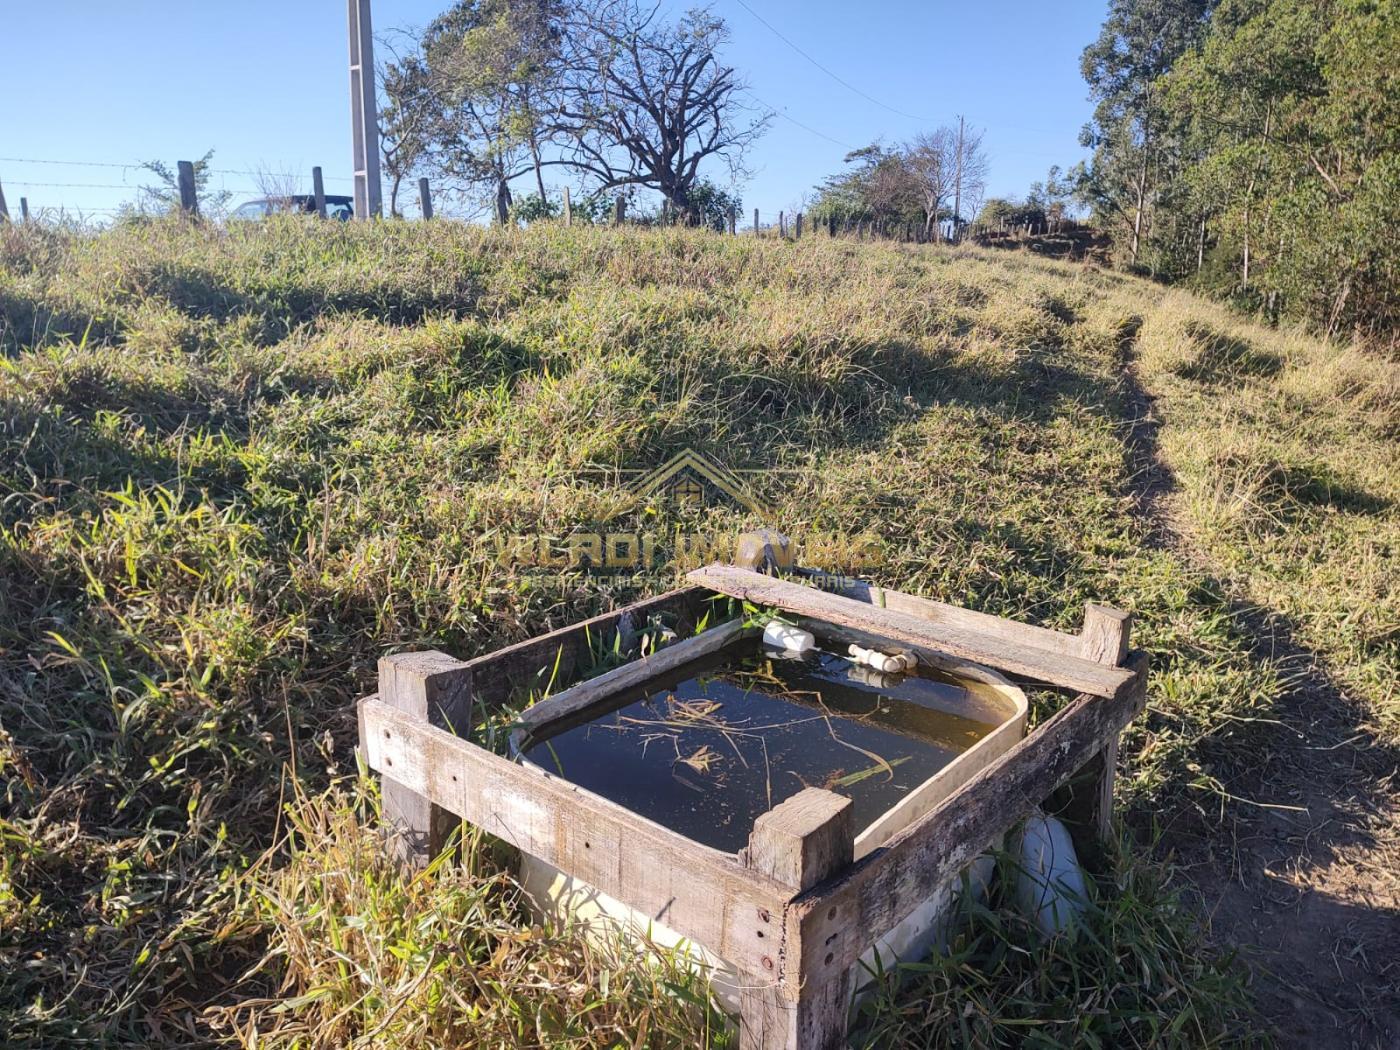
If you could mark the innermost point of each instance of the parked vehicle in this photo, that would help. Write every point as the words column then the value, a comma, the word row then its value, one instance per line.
column 337, row 207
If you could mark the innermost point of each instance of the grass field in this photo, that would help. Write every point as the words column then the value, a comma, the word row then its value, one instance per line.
column 237, row 466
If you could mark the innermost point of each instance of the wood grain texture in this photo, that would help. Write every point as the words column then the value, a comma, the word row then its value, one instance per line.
column 437, row 689
column 1042, row 665
column 799, row 842
column 527, row 665
column 699, row 892
column 1105, row 638
column 955, row 616
column 832, row 924
column 803, row 839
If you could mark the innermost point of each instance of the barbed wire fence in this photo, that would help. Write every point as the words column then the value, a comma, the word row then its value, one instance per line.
column 277, row 181
column 137, row 178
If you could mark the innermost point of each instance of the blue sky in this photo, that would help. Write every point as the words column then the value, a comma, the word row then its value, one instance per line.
column 264, row 84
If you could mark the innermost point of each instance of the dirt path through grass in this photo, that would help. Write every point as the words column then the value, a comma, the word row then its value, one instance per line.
column 1303, row 870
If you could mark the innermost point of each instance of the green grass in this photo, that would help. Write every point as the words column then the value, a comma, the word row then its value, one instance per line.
column 236, row 466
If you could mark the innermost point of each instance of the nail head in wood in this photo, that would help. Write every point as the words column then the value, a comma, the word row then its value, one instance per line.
column 800, row 842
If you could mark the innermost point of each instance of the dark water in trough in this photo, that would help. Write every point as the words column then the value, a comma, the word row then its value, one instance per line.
column 710, row 747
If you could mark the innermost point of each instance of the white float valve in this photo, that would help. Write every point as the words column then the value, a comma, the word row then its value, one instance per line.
column 885, row 663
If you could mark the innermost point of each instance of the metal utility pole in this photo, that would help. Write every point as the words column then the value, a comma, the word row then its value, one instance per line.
column 364, row 113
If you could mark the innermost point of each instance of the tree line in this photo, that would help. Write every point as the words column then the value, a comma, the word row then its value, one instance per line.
column 610, row 92
column 1252, row 148
column 931, row 183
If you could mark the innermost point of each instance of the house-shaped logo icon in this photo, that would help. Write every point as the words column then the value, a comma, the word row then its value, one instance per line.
column 691, row 480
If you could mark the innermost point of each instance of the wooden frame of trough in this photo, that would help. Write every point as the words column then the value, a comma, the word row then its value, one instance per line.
column 791, row 911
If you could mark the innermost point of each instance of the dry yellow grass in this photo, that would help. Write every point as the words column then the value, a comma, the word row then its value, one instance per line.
column 236, row 466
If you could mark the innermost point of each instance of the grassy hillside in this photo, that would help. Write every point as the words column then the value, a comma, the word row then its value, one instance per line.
column 237, row 466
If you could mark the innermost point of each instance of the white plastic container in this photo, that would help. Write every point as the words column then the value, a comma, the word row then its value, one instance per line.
column 1049, row 883
column 779, row 635
column 562, row 898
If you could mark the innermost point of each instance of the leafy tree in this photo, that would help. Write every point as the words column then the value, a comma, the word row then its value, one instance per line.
column 883, row 188
column 1003, row 213
column 409, row 121
column 489, row 69
column 1138, row 44
column 710, row 205
column 163, row 196
column 1290, row 117
column 533, row 208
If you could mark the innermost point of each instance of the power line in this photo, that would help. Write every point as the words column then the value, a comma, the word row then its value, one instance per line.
column 844, row 83
column 141, row 164
column 76, row 185
column 71, row 163
column 793, row 120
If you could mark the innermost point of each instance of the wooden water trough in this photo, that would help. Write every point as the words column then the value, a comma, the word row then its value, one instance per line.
column 792, row 912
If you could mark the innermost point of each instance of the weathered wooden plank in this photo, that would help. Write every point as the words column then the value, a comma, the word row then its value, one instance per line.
column 1070, row 672
column 829, row 926
column 701, row 893
column 799, row 842
column 955, row 616
column 437, row 689
column 528, row 664
column 804, row 839
column 579, row 698
column 1105, row 638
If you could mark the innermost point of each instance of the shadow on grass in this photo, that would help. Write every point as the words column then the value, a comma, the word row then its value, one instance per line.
column 1221, row 357
column 1297, row 788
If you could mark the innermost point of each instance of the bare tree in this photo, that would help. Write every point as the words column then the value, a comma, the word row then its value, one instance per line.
column 277, row 187
column 932, row 159
column 970, row 175
column 644, row 102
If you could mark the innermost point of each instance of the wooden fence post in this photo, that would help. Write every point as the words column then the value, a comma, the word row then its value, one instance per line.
column 24, row 209
column 798, row 227
column 1103, row 639
column 568, row 208
column 5, row 211
column 425, row 199
column 318, row 192
column 782, row 226
column 438, row 689
column 189, row 202
column 733, row 219
column 755, row 222
column 799, row 843
column 619, row 210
